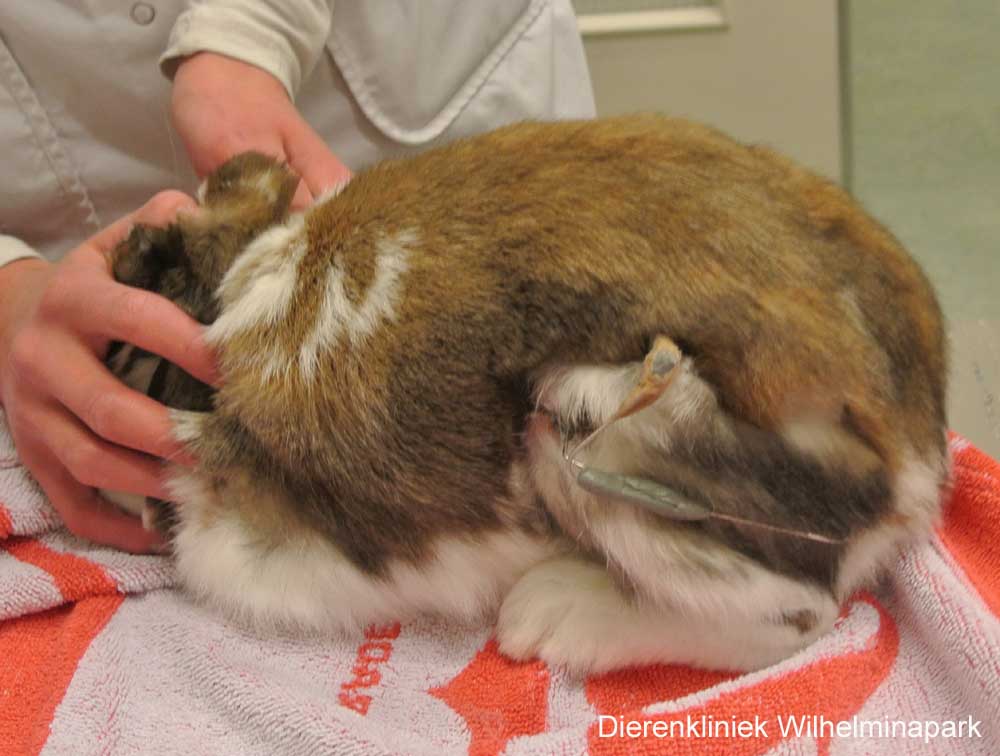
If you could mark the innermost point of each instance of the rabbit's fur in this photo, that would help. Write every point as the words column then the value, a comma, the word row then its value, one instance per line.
column 396, row 362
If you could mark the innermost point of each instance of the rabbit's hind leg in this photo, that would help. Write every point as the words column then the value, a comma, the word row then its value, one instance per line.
column 573, row 613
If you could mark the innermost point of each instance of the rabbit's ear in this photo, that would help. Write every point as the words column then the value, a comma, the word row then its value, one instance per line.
column 146, row 254
column 251, row 183
column 245, row 196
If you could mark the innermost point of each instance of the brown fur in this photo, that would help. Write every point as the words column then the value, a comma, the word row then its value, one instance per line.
column 576, row 243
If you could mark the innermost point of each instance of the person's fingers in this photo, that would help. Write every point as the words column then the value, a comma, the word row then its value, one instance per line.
column 157, row 325
column 94, row 462
column 160, row 210
column 116, row 413
column 311, row 158
column 85, row 513
column 115, row 312
column 123, row 313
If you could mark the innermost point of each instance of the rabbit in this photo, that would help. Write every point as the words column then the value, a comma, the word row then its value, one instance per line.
column 418, row 370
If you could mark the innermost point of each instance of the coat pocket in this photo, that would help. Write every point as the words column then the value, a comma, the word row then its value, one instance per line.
column 414, row 66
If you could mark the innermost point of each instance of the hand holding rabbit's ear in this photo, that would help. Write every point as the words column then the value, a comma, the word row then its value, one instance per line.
column 74, row 425
column 222, row 107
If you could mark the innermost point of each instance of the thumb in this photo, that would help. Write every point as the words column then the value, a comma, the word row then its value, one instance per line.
column 310, row 157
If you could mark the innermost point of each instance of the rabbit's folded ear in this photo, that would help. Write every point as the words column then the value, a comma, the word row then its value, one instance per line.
column 245, row 196
column 251, row 183
column 159, row 260
column 143, row 257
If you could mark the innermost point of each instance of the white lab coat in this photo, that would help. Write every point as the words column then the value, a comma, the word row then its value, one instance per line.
column 84, row 106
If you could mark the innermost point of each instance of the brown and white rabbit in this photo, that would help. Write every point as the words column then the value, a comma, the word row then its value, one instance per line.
column 405, row 363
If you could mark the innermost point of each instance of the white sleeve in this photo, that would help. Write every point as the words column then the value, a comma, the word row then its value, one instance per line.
column 283, row 37
column 12, row 248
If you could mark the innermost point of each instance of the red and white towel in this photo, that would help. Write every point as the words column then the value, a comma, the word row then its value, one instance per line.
column 99, row 654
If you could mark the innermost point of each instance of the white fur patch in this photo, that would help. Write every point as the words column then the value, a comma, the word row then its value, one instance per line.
column 202, row 191
column 817, row 437
column 130, row 502
column 185, row 426
column 848, row 299
column 306, row 583
column 266, row 186
column 570, row 613
column 598, row 391
column 257, row 289
column 338, row 316
column 329, row 193
column 134, row 504
column 581, row 392
column 918, row 501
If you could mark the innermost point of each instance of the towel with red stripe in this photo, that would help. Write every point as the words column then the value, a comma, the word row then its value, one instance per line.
column 101, row 654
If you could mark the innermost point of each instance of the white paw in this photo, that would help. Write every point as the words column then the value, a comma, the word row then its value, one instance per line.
column 570, row 614
column 564, row 612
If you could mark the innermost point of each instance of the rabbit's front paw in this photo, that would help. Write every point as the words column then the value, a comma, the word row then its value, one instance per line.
column 564, row 612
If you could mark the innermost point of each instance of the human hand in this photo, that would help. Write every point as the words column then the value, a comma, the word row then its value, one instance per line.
column 74, row 424
column 222, row 106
